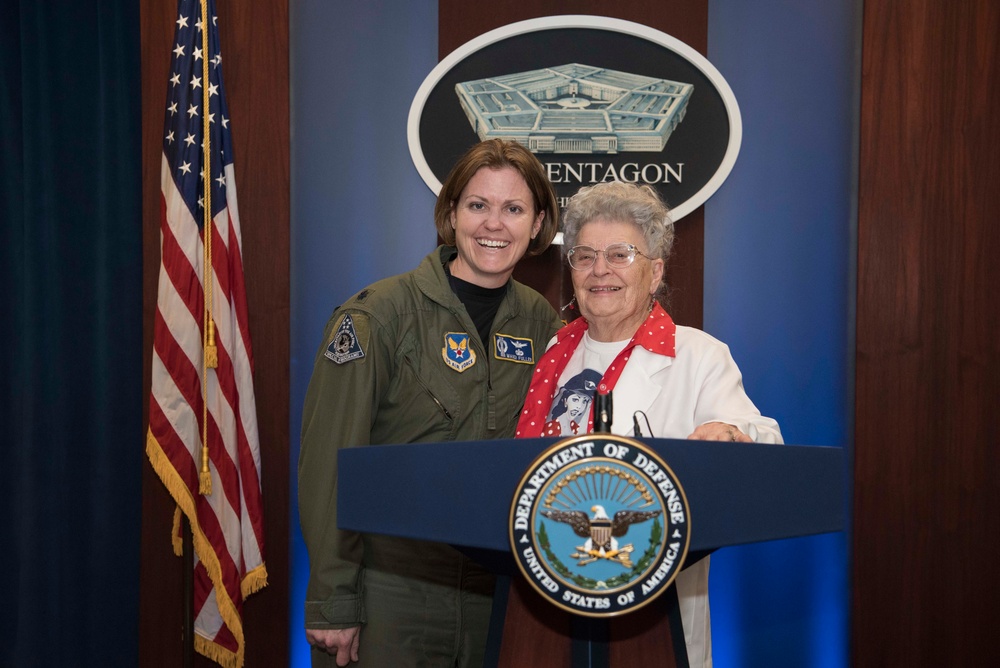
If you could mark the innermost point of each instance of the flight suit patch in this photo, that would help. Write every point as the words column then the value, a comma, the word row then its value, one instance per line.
column 513, row 349
column 345, row 345
column 457, row 352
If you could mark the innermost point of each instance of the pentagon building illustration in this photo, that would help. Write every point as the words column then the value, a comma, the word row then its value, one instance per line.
column 576, row 109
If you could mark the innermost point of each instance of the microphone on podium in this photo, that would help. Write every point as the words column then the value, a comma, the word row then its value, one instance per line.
column 602, row 413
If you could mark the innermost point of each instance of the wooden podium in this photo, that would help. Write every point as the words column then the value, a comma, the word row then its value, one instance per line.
column 460, row 493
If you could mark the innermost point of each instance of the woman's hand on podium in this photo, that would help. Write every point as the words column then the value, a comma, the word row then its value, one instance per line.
column 719, row 431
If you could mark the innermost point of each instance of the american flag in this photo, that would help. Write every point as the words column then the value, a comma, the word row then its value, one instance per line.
column 189, row 399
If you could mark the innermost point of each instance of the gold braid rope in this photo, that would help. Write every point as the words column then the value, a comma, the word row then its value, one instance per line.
column 210, row 358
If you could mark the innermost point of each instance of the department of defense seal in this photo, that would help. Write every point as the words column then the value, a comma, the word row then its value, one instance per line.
column 599, row 525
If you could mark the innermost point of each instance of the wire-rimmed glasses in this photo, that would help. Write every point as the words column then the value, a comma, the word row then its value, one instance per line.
column 616, row 255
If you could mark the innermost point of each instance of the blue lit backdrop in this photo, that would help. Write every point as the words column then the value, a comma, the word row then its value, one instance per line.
column 360, row 211
column 779, row 290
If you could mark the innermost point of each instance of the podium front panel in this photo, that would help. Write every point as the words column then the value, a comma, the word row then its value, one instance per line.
column 461, row 492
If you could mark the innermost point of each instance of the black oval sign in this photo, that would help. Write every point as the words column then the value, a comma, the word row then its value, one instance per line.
column 595, row 98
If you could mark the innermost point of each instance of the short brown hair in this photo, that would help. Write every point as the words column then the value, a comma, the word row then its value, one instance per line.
column 497, row 154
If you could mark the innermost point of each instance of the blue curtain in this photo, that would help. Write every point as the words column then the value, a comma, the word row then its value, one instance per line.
column 70, row 207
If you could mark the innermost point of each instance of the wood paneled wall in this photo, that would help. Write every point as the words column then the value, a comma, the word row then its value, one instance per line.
column 926, row 501
column 254, row 39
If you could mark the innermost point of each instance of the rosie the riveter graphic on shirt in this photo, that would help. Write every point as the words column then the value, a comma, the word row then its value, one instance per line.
column 570, row 410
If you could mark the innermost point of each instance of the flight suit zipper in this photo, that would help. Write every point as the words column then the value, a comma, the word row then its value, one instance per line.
column 491, row 397
column 427, row 389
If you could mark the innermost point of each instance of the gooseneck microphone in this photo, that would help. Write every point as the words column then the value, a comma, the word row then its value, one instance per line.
column 602, row 413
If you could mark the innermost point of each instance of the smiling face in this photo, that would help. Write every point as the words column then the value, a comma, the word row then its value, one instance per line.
column 575, row 405
column 494, row 221
column 615, row 300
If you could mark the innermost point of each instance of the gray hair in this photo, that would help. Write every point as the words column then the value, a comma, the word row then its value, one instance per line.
column 624, row 202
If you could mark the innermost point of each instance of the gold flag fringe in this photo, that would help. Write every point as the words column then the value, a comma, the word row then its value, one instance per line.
column 254, row 581
column 218, row 653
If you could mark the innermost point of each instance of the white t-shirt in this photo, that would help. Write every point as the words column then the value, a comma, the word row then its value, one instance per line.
column 570, row 410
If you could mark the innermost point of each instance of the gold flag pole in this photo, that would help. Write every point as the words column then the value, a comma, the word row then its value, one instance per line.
column 210, row 358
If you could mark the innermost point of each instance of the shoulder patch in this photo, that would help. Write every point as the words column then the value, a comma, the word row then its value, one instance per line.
column 457, row 352
column 345, row 345
column 513, row 348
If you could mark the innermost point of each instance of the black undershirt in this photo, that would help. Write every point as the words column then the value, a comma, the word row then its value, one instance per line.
column 481, row 303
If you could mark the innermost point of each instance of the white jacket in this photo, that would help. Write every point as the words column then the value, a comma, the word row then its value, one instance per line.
column 677, row 394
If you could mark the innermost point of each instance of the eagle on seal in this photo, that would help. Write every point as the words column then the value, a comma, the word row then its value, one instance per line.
column 600, row 530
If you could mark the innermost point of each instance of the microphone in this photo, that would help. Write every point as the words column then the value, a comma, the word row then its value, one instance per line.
column 602, row 413
column 635, row 424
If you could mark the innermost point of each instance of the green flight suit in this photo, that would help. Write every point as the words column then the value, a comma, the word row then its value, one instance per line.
column 387, row 373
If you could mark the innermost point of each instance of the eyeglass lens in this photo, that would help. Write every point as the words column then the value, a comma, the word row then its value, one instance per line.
column 616, row 255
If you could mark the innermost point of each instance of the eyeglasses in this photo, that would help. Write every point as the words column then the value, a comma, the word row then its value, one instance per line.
column 616, row 255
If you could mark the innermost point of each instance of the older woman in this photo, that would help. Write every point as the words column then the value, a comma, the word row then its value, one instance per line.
column 442, row 353
column 674, row 382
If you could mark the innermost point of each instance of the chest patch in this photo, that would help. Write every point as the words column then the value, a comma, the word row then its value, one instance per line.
column 457, row 352
column 513, row 349
column 345, row 345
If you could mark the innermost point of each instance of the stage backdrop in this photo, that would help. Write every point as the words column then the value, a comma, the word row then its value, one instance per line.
column 360, row 211
column 777, row 236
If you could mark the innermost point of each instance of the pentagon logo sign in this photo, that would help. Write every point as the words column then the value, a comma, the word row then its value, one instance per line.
column 595, row 98
column 576, row 108
column 599, row 525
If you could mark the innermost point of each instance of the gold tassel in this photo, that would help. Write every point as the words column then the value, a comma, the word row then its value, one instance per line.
column 211, row 352
column 205, row 483
column 205, row 477
column 211, row 362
